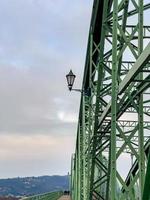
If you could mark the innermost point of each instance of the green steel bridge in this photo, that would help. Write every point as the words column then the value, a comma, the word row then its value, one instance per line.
column 111, row 159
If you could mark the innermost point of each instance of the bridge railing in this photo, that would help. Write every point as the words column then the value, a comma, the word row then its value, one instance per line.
column 45, row 196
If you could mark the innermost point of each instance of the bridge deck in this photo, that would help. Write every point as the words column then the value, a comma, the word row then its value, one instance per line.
column 65, row 197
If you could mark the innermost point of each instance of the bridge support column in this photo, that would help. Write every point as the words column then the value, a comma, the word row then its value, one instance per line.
column 114, row 103
column 140, row 102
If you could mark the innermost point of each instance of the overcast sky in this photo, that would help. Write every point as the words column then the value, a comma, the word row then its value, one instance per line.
column 40, row 40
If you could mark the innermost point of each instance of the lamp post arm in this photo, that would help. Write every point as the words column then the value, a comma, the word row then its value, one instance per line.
column 77, row 90
column 84, row 92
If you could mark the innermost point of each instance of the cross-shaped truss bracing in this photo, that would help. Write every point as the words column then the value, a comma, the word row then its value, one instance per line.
column 111, row 160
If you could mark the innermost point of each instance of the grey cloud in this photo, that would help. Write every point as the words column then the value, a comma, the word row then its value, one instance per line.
column 39, row 42
column 28, row 103
column 27, row 27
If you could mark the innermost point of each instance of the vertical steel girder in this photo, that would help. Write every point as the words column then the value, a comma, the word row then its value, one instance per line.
column 146, row 193
column 111, row 160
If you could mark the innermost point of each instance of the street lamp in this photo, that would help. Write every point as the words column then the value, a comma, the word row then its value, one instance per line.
column 70, row 81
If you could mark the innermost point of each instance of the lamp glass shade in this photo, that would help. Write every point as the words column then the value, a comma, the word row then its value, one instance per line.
column 70, row 79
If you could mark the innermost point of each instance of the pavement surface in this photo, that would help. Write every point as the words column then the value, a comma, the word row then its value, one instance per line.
column 65, row 197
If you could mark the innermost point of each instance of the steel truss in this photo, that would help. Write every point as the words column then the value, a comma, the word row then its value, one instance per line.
column 113, row 136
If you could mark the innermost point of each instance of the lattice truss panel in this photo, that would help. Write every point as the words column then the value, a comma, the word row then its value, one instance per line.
column 113, row 136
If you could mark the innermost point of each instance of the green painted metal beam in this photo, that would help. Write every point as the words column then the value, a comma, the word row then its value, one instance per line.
column 140, row 63
column 146, row 193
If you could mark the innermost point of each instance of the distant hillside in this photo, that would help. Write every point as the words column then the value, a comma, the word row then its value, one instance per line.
column 32, row 185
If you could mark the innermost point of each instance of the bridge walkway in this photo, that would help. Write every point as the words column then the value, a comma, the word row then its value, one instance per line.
column 65, row 197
